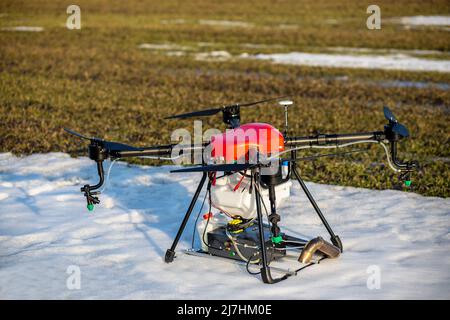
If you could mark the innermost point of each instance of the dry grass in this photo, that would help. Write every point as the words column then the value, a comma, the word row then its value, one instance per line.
column 97, row 81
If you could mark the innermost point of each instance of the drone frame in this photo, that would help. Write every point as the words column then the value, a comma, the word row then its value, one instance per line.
column 100, row 150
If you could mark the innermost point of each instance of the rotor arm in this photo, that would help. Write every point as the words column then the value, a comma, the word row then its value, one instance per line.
column 163, row 151
column 153, row 151
column 339, row 140
column 334, row 139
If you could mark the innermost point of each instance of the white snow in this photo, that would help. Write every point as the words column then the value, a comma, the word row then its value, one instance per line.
column 383, row 51
column 163, row 46
column 212, row 22
column 24, row 29
column 119, row 248
column 338, row 57
column 426, row 20
column 386, row 62
column 219, row 55
column 261, row 46
column 225, row 23
column 176, row 53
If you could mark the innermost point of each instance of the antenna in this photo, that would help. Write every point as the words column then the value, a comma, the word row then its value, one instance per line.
column 286, row 104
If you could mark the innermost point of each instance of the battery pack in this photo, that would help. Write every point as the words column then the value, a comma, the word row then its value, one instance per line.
column 247, row 242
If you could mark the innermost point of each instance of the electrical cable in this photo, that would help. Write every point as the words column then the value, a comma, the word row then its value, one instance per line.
column 162, row 158
column 247, row 265
column 207, row 221
column 341, row 146
column 337, row 146
column 288, row 248
column 235, row 243
column 389, row 158
column 107, row 176
column 196, row 221
column 298, row 242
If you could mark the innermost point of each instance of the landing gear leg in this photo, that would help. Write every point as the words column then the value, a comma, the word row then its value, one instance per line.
column 170, row 253
column 265, row 270
column 334, row 238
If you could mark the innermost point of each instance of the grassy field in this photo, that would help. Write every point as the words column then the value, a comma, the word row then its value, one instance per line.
column 99, row 82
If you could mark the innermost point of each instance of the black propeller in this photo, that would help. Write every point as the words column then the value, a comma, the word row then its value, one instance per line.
column 112, row 146
column 397, row 128
column 79, row 135
column 213, row 111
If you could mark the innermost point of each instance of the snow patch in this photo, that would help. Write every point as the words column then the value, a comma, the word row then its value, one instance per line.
column 225, row 23
column 120, row 248
column 385, row 62
column 262, row 46
column 425, row 20
column 384, row 51
column 108, row 202
column 213, row 56
column 6, row 184
column 414, row 84
column 176, row 53
column 24, row 29
column 163, row 46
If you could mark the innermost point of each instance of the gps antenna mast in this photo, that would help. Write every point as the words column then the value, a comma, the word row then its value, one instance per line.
column 286, row 104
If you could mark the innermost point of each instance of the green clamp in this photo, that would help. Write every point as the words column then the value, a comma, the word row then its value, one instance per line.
column 90, row 207
column 277, row 239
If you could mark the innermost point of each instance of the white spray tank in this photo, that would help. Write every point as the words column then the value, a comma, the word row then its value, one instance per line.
column 232, row 195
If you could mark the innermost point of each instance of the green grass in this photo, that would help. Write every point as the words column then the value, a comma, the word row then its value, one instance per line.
column 97, row 81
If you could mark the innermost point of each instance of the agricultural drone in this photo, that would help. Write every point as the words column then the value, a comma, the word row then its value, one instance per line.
column 248, row 171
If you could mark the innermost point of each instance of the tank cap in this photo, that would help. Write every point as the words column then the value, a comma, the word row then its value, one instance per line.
column 207, row 215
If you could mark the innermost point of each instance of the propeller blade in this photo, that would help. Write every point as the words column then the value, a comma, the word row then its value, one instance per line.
column 389, row 115
column 396, row 127
column 201, row 113
column 116, row 146
column 400, row 130
column 213, row 111
column 77, row 134
column 218, row 167
column 112, row 146
column 262, row 101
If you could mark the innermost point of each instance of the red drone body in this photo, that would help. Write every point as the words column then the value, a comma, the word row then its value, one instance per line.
column 234, row 144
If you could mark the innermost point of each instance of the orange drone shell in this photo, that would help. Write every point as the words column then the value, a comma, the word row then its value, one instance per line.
column 235, row 144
